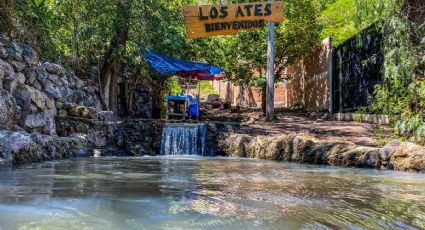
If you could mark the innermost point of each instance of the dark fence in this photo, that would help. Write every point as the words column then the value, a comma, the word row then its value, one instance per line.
column 357, row 68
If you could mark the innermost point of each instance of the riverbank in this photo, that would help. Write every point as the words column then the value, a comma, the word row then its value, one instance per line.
column 304, row 148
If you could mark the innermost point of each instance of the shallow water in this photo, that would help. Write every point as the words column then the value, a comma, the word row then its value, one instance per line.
column 206, row 193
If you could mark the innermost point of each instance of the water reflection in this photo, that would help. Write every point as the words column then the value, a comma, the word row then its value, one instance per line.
column 206, row 193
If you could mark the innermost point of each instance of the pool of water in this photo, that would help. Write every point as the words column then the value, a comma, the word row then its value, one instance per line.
column 206, row 193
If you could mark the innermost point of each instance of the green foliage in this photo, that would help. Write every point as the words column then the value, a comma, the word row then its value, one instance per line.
column 402, row 95
column 343, row 19
column 295, row 38
column 175, row 88
column 206, row 88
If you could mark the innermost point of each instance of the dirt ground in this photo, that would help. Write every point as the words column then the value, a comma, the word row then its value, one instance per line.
column 320, row 125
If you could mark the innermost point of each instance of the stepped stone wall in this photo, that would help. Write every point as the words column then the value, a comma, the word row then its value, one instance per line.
column 32, row 94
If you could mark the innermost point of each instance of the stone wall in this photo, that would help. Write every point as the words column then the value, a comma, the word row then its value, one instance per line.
column 304, row 148
column 32, row 94
column 135, row 137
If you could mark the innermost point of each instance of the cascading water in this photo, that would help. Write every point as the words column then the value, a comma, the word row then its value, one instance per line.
column 183, row 139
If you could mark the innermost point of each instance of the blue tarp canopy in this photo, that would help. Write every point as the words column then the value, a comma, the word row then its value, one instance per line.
column 168, row 66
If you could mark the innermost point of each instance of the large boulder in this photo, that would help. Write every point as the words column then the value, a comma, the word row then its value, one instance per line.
column 349, row 155
column 276, row 148
column 8, row 110
column 19, row 147
column 236, row 145
column 409, row 157
column 22, row 147
column 257, row 148
column 73, row 146
column 386, row 153
column 302, row 144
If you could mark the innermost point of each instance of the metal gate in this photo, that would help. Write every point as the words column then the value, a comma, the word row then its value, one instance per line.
column 357, row 68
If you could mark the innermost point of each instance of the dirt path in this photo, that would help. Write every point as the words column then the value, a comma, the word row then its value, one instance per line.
column 319, row 125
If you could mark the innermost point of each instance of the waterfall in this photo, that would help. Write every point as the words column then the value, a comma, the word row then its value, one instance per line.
column 183, row 139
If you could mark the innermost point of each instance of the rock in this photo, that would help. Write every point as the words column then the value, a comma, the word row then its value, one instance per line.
column 59, row 105
column 257, row 148
column 41, row 73
column 35, row 121
column 30, row 76
column 3, row 53
column 20, row 79
column 29, row 55
column 387, row 151
column 349, row 155
column 336, row 153
column 37, row 97
column 409, row 157
column 63, row 113
column 68, row 105
column 227, row 105
column 55, row 80
column 84, row 112
column 276, row 148
column 213, row 97
column 23, row 100
column 74, row 146
column 237, row 144
column 106, row 116
column 217, row 104
column 50, row 103
column 19, row 147
column 53, row 92
column 302, row 144
column 15, row 52
column 370, row 159
column 288, row 146
column 7, row 69
column 43, row 122
column 18, row 66
column 36, row 85
column 45, row 83
column 54, row 69
column 1, row 78
column 8, row 110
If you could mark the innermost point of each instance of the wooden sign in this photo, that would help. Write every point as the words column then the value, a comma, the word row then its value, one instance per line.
column 211, row 20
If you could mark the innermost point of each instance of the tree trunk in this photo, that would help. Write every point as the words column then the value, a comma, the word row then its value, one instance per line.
column 263, row 101
column 113, row 88
column 111, row 67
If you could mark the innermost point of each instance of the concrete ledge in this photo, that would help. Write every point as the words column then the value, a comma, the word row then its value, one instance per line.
column 367, row 118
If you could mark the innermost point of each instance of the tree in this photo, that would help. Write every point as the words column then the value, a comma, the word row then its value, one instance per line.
column 111, row 66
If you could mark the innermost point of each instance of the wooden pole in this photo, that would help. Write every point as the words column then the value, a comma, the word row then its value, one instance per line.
column 270, row 73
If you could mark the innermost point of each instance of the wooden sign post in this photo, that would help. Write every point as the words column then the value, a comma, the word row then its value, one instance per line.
column 211, row 20
column 270, row 74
